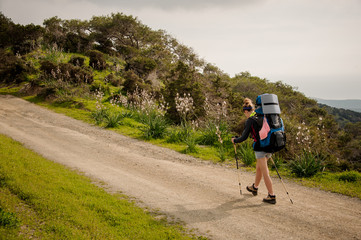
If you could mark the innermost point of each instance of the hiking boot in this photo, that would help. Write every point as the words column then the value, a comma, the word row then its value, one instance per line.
column 270, row 199
column 252, row 189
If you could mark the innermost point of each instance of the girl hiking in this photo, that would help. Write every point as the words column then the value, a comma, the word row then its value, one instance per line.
column 253, row 125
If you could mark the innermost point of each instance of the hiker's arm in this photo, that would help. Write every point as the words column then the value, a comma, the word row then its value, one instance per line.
column 245, row 132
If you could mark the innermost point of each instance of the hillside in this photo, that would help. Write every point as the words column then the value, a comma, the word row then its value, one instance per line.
column 341, row 115
column 350, row 104
column 120, row 70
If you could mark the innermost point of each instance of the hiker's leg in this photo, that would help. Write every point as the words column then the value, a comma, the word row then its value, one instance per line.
column 258, row 177
column 262, row 162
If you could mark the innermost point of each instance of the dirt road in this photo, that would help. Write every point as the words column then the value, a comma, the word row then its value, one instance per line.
column 203, row 195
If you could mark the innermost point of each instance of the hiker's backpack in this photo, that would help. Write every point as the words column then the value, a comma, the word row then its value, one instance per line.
column 268, row 106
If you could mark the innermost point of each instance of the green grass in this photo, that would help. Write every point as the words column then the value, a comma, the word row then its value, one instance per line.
column 332, row 182
column 9, row 90
column 42, row 199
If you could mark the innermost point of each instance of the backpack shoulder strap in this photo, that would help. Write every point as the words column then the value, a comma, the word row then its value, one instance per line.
column 258, row 118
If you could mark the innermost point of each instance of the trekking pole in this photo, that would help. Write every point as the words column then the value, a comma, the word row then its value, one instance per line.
column 281, row 180
column 239, row 177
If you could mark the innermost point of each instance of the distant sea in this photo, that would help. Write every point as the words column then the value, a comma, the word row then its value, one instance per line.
column 350, row 104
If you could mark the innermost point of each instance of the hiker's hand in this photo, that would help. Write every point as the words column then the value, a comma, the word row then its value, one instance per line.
column 234, row 137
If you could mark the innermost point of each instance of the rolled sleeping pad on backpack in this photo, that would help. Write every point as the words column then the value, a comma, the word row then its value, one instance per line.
column 270, row 104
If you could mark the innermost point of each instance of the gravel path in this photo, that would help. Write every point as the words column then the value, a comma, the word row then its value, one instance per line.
column 204, row 196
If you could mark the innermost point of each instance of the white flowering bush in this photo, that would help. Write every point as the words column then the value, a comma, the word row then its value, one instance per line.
column 150, row 112
column 101, row 111
column 119, row 100
column 184, row 106
column 185, row 109
column 209, row 131
column 215, row 131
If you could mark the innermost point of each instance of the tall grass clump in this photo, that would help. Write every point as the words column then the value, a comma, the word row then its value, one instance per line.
column 216, row 131
column 307, row 164
column 185, row 109
column 54, row 53
column 247, row 154
column 150, row 112
column 113, row 119
column 101, row 111
column 209, row 134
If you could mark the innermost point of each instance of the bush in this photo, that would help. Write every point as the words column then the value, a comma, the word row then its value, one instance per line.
column 97, row 60
column 12, row 69
column 349, row 176
column 98, row 85
column 113, row 80
column 8, row 219
column 132, row 81
column 66, row 72
column 47, row 66
column 307, row 165
column 77, row 61
column 142, row 66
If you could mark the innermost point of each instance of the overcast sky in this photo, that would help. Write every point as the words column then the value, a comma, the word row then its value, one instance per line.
column 312, row 45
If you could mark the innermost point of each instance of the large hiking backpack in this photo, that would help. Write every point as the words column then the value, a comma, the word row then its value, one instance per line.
column 268, row 106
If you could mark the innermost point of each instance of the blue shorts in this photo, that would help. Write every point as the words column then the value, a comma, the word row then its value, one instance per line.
column 260, row 154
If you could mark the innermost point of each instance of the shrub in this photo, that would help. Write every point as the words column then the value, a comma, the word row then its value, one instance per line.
column 66, row 72
column 132, row 81
column 77, row 61
column 47, row 66
column 97, row 60
column 113, row 80
column 98, row 85
column 349, row 176
column 8, row 219
column 307, row 164
column 142, row 66
column 12, row 69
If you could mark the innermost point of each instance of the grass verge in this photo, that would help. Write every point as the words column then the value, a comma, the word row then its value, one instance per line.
column 43, row 199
